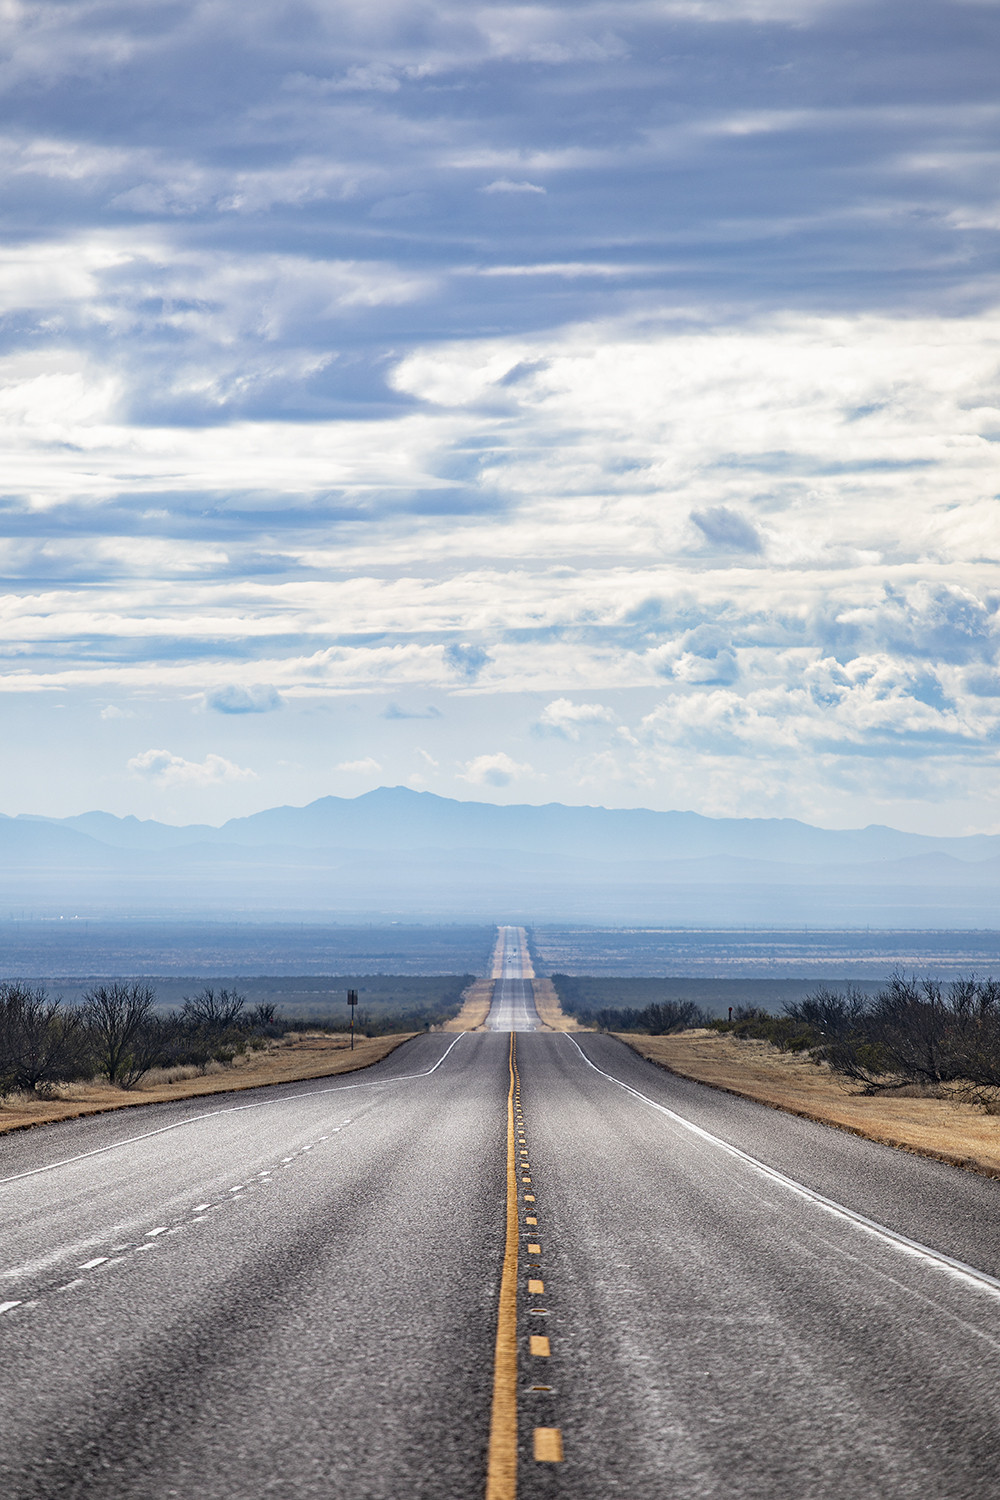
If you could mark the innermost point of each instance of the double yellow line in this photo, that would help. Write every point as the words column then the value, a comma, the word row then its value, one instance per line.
column 501, row 1472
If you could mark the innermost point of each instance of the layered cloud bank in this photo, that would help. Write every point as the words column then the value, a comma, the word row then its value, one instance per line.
column 593, row 403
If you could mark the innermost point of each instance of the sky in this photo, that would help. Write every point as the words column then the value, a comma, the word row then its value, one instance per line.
column 578, row 402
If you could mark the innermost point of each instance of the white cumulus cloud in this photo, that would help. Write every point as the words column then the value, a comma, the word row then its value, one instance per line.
column 168, row 769
column 564, row 717
column 235, row 699
column 497, row 769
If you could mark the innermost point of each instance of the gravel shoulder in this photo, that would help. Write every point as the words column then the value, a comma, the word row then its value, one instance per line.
column 304, row 1057
column 946, row 1129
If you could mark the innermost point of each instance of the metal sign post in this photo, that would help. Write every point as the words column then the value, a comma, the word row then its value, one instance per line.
column 352, row 1000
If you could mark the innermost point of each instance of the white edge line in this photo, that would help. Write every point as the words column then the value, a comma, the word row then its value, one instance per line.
column 232, row 1109
column 957, row 1268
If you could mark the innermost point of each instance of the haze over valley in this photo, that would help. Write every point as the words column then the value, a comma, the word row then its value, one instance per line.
column 396, row 852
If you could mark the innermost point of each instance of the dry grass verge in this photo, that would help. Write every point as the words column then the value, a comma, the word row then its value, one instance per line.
column 476, row 1002
column 549, row 1010
column 304, row 1055
column 944, row 1128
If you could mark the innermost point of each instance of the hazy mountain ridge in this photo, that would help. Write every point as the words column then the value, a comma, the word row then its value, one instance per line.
column 401, row 853
column 397, row 818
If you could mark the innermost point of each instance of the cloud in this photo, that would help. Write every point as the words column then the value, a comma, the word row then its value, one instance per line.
column 467, row 661
column 367, row 767
column 934, row 621
column 112, row 711
column 681, row 439
column 394, row 711
column 505, row 185
column 568, row 719
column 235, row 699
column 727, row 529
column 497, row 769
column 722, row 666
column 166, row 769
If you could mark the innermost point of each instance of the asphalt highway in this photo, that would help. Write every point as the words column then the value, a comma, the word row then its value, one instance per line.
column 294, row 1292
column 513, row 1007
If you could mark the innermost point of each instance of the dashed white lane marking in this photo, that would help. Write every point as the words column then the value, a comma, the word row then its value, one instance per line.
column 6, row 1306
column 233, row 1109
column 957, row 1269
column 152, row 1240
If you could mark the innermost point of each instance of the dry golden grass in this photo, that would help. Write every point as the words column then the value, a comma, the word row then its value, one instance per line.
column 944, row 1128
column 476, row 1001
column 305, row 1055
column 549, row 1010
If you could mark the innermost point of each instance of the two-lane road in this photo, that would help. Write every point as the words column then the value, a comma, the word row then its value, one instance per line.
column 513, row 1007
column 294, row 1292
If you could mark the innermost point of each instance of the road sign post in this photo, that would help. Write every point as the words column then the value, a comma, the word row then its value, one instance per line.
column 352, row 1000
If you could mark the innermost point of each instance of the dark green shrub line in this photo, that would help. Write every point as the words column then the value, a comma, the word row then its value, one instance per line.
column 910, row 1031
column 117, row 1034
column 656, row 1020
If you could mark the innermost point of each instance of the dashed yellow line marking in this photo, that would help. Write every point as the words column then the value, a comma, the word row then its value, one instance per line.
column 536, row 1287
column 534, row 1249
column 540, row 1345
column 547, row 1445
column 529, row 1220
column 529, row 1197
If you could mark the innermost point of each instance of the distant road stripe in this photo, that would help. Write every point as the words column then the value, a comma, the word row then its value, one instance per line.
column 958, row 1269
column 232, row 1109
column 501, row 1473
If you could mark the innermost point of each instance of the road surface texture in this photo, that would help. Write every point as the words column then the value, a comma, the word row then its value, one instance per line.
column 513, row 1007
column 297, row 1294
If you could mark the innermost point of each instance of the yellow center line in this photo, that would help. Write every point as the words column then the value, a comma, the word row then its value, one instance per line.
column 501, row 1470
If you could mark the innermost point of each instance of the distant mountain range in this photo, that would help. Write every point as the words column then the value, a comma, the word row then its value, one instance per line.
column 395, row 850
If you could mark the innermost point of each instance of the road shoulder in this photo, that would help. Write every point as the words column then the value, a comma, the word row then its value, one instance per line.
column 304, row 1057
column 947, row 1130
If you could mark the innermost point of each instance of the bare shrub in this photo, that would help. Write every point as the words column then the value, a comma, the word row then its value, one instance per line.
column 126, row 1038
column 41, row 1043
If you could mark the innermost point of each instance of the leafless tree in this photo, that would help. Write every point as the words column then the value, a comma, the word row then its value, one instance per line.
column 40, row 1041
column 126, row 1038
